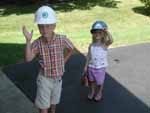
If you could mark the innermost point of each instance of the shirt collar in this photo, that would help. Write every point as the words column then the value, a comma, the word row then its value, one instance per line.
column 45, row 40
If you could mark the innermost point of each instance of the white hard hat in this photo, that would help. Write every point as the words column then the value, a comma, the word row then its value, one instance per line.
column 45, row 15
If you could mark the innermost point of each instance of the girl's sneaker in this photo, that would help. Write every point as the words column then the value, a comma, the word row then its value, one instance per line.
column 91, row 96
column 98, row 97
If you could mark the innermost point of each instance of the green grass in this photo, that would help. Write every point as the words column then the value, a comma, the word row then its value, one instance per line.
column 126, row 25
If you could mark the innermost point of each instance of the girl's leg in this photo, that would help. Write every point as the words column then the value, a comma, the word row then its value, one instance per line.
column 98, row 96
column 92, row 90
column 99, row 77
column 92, row 83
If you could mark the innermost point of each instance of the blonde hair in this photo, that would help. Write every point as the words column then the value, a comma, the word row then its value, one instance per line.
column 106, row 39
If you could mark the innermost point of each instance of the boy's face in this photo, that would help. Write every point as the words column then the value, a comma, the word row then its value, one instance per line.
column 46, row 30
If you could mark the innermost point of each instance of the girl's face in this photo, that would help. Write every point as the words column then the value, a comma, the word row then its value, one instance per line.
column 98, row 34
column 46, row 30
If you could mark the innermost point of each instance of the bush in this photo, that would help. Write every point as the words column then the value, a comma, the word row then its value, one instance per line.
column 19, row 2
column 15, row 1
column 147, row 3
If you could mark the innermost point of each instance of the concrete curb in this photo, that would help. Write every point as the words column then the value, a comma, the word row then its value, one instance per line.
column 12, row 100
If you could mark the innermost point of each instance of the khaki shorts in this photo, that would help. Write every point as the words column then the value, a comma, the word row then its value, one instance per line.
column 48, row 91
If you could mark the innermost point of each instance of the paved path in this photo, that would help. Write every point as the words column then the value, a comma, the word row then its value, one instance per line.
column 12, row 99
column 125, row 91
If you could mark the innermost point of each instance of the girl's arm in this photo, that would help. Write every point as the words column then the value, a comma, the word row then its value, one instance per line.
column 88, row 57
column 109, row 39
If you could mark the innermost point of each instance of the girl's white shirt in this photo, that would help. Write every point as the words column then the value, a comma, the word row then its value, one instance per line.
column 98, row 57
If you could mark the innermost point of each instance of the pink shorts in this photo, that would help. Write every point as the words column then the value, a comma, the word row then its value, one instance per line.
column 96, row 75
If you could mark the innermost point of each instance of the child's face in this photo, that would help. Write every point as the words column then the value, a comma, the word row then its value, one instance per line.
column 97, row 34
column 46, row 30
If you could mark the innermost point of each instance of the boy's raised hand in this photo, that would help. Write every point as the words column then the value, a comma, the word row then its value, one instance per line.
column 27, row 34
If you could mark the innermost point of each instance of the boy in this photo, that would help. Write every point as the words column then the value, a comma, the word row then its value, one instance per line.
column 50, row 48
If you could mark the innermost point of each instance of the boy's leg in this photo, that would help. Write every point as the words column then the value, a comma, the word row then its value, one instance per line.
column 53, row 108
column 43, row 110
column 42, row 100
column 56, row 94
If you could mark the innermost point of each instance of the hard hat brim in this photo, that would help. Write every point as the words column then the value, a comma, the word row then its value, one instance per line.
column 93, row 30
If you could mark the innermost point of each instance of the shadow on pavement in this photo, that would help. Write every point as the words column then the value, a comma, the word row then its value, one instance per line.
column 24, row 77
column 117, row 99
column 7, row 55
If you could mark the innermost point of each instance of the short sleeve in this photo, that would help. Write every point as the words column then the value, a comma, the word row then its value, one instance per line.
column 35, row 47
column 67, row 43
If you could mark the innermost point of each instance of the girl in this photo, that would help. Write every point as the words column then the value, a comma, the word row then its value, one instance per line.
column 97, row 59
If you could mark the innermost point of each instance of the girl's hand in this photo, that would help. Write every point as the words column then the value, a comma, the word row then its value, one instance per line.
column 85, row 69
column 27, row 34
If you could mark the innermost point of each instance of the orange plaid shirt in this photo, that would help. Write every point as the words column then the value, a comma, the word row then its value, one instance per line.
column 51, row 54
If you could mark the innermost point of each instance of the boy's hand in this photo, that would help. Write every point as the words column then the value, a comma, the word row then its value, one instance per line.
column 27, row 34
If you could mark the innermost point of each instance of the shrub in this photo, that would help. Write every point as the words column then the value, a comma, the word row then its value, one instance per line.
column 147, row 3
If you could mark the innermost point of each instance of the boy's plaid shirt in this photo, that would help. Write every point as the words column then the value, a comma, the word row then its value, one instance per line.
column 51, row 54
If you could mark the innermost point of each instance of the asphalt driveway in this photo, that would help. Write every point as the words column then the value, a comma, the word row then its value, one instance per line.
column 125, row 90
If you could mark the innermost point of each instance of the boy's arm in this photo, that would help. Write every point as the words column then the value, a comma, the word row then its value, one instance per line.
column 67, row 44
column 68, row 55
column 29, row 55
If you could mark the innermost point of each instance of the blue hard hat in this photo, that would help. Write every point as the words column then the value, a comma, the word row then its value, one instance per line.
column 99, row 25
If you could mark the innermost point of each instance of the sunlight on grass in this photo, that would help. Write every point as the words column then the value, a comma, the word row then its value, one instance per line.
column 126, row 26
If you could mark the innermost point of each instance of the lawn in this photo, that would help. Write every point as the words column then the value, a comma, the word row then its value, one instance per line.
column 126, row 21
